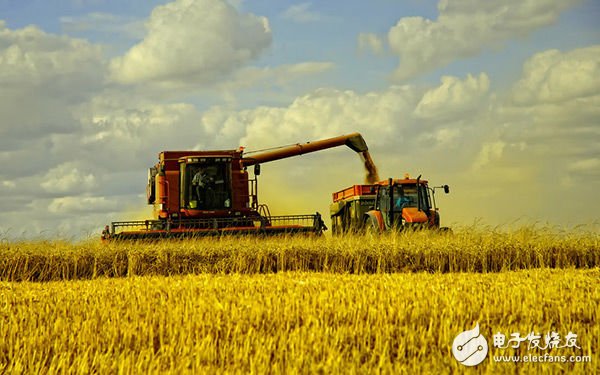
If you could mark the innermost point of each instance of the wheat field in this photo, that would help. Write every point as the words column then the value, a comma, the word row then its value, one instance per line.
column 390, row 304
column 467, row 250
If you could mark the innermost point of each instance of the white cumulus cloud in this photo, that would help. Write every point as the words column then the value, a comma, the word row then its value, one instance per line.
column 30, row 56
column 189, row 40
column 42, row 77
column 554, row 76
column 82, row 205
column 453, row 97
column 68, row 178
column 465, row 27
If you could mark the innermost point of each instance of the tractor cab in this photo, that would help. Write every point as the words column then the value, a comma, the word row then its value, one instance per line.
column 407, row 202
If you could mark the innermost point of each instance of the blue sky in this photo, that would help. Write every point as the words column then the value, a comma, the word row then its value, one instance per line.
column 326, row 37
column 323, row 36
column 498, row 99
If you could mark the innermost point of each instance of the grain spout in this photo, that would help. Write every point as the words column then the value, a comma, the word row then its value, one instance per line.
column 372, row 176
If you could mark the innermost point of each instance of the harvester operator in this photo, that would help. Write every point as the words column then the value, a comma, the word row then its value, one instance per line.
column 200, row 183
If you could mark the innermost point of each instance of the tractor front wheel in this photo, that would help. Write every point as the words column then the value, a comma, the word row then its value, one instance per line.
column 372, row 226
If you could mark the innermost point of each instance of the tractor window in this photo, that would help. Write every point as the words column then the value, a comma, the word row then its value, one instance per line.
column 406, row 196
column 207, row 185
column 384, row 198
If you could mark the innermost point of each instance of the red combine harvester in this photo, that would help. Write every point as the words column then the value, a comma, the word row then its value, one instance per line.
column 210, row 193
column 385, row 205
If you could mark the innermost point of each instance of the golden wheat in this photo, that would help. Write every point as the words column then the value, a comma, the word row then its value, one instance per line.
column 466, row 250
column 289, row 322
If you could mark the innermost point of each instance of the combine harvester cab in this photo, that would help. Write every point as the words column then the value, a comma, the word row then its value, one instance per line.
column 197, row 193
column 386, row 205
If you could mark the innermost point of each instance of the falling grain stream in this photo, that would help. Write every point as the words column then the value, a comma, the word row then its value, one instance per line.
column 372, row 176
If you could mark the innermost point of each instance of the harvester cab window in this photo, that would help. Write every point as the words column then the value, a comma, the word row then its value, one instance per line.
column 206, row 185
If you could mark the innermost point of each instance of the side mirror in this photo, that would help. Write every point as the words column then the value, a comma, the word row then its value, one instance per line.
column 446, row 189
column 257, row 169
